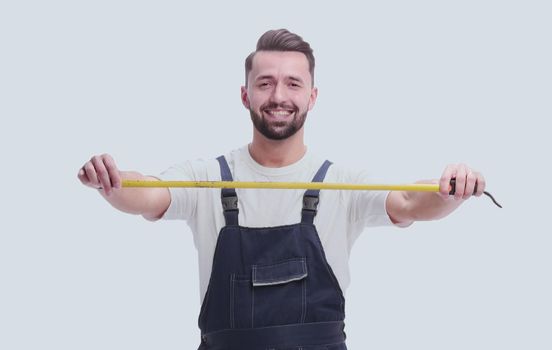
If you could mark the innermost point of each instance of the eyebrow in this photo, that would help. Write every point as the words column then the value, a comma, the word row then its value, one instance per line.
column 291, row 77
column 297, row 79
column 262, row 77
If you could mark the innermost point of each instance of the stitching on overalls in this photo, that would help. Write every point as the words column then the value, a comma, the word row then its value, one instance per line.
column 232, row 301
column 253, row 298
column 304, row 301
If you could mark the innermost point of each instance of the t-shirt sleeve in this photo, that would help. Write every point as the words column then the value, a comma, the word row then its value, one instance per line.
column 183, row 200
column 367, row 208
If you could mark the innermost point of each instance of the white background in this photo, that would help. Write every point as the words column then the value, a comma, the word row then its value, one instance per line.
column 406, row 87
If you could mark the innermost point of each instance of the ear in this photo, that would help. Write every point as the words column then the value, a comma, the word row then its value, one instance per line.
column 244, row 97
column 312, row 98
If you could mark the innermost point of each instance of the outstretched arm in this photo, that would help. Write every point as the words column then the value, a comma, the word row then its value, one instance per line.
column 406, row 207
column 101, row 173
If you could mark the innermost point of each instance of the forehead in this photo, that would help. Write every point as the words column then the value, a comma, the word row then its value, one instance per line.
column 280, row 64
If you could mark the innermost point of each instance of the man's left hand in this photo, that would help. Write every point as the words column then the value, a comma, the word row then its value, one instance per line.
column 469, row 182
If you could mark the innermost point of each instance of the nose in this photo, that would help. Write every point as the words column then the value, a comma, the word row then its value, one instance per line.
column 278, row 94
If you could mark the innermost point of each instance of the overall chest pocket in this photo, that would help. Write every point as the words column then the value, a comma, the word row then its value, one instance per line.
column 274, row 294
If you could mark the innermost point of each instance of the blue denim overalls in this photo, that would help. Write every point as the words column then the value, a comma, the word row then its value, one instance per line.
column 271, row 288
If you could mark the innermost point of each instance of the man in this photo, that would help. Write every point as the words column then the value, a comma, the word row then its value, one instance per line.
column 273, row 263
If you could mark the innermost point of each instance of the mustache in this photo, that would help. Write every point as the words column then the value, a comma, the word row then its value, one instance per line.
column 272, row 105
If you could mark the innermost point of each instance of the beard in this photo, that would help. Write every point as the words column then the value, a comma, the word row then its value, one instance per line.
column 278, row 129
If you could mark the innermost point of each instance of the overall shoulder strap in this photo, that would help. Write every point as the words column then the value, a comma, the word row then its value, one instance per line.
column 229, row 197
column 311, row 197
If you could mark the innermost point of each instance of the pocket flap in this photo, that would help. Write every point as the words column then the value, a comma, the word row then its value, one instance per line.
column 282, row 272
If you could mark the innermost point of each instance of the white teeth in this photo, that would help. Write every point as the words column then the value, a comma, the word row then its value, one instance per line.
column 279, row 113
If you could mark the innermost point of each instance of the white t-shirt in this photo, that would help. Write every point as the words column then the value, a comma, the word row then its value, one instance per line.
column 341, row 217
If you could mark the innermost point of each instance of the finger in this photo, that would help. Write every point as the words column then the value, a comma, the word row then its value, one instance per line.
column 112, row 170
column 82, row 176
column 103, row 176
column 90, row 173
column 471, row 180
column 444, row 181
column 481, row 184
column 460, row 182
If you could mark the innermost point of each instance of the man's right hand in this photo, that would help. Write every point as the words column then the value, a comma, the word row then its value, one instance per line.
column 100, row 172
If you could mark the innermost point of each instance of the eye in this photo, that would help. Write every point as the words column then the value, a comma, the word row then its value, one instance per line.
column 294, row 85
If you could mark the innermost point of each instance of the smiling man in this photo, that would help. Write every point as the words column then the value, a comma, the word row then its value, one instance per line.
column 274, row 264
column 281, row 85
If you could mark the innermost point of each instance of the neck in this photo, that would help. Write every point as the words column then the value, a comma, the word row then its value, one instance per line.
column 277, row 153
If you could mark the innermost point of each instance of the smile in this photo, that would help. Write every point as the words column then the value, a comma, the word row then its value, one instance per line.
column 278, row 112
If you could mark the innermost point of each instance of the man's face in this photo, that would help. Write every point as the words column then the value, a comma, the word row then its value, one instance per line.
column 279, row 93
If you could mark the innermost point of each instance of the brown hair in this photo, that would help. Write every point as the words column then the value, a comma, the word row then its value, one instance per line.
column 281, row 40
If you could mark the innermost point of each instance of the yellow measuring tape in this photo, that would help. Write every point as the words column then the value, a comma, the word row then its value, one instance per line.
column 294, row 186
column 282, row 185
